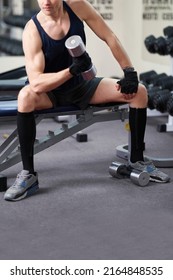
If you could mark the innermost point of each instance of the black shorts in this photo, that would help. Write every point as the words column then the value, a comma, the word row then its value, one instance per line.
column 79, row 95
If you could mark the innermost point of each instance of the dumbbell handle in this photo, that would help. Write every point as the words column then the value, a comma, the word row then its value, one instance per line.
column 76, row 48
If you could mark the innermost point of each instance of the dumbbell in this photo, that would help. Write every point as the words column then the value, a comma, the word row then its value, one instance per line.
column 121, row 171
column 168, row 31
column 146, row 77
column 170, row 46
column 170, row 104
column 158, row 87
column 155, row 80
column 160, row 100
column 152, row 91
column 160, row 46
column 150, row 43
column 157, row 45
column 76, row 48
column 164, row 82
column 151, row 78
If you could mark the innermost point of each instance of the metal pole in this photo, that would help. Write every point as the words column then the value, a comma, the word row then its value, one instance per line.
column 1, row 15
column 17, row 9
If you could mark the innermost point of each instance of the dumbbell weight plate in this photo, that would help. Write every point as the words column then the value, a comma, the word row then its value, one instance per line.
column 140, row 178
column 88, row 75
column 114, row 170
column 75, row 46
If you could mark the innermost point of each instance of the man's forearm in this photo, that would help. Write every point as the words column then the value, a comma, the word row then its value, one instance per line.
column 48, row 81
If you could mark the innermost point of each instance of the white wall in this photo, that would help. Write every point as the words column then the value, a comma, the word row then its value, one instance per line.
column 10, row 62
column 128, row 26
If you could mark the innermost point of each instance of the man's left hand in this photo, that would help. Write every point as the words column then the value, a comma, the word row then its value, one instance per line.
column 129, row 84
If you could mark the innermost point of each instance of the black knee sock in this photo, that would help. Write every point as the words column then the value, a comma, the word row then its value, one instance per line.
column 137, row 122
column 27, row 133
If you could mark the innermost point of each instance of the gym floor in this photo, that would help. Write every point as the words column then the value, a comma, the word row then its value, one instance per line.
column 80, row 211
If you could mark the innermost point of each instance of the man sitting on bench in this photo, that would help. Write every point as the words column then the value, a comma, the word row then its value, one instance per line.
column 55, row 78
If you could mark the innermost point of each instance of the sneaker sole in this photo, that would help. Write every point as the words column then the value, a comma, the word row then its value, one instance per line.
column 159, row 181
column 30, row 191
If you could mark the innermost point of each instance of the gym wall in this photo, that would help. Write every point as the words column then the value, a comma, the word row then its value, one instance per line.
column 128, row 23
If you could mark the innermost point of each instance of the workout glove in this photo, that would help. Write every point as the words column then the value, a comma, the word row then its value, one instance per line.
column 80, row 64
column 129, row 84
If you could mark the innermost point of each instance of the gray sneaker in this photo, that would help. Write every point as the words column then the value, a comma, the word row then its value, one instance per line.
column 25, row 185
column 155, row 174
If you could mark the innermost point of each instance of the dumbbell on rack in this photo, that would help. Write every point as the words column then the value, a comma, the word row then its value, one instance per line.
column 161, row 45
column 156, row 45
column 168, row 32
column 147, row 77
column 170, row 104
column 121, row 171
column 76, row 48
column 159, row 87
column 158, row 98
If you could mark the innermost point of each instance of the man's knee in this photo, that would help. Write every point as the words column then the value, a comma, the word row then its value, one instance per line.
column 26, row 100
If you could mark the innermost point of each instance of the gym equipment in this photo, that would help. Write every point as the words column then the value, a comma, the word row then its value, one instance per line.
column 16, row 20
column 155, row 79
column 11, row 46
column 76, row 48
column 170, row 46
column 81, row 137
column 151, row 93
column 164, row 82
column 170, row 104
column 160, row 100
column 9, row 149
column 150, row 43
column 151, row 78
column 161, row 45
column 16, row 73
column 168, row 31
column 3, row 183
column 146, row 77
column 121, row 171
column 159, row 87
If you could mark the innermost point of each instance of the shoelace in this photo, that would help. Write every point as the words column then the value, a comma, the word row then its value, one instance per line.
column 19, row 179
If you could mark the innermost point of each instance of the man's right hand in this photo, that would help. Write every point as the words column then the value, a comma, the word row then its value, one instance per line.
column 80, row 64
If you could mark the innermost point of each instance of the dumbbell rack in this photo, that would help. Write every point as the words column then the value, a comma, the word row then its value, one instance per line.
column 167, row 127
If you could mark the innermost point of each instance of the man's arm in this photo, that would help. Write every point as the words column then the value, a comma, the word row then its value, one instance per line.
column 35, row 63
column 94, row 20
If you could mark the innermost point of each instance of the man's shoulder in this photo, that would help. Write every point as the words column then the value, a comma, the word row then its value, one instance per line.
column 73, row 3
column 78, row 6
column 30, row 27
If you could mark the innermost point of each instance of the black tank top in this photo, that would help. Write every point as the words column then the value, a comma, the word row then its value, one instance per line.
column 56, row 55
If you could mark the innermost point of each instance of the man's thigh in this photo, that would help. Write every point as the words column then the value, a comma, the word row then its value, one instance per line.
column 107, row 91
